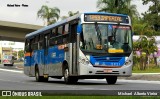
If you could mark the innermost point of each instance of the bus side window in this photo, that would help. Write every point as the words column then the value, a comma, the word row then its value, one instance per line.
column 27, row 45
column 35, row 45
column 47, row 37
column 54, row 32
column 41, row 41
column 51, row 41
column 60, row 40
column 60, row 30
column 65, row 38
column 66, row 28
column 32, row 44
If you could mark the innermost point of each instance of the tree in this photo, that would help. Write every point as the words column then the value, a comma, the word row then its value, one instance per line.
column 142, row 28
column 21, row 53
column 49, row 15
column 70, row 13
column 106, row 6
column 152, row 15
column 146, row 47
column 118, row 6
column 15, row 54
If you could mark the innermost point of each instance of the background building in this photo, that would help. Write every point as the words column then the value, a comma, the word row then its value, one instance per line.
column 8, row 47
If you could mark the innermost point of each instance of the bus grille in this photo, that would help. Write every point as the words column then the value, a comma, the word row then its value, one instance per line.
column 107, row 61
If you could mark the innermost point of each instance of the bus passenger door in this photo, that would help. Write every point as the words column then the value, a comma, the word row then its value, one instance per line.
column 74, row 50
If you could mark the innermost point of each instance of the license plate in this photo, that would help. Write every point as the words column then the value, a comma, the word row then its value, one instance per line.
column 108, row 70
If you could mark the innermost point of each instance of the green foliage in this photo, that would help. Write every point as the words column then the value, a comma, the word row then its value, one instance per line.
column 151, row 46
column 15, row 54
column 70, row 13
column 49, row 15
column 124, row 7
column 146, row 46
column 141, row 27
column 21, row 53
column 106, row 6
column 151, row 16
column 150, row 70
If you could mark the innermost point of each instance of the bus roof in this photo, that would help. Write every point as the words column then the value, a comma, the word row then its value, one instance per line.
column 32, row 34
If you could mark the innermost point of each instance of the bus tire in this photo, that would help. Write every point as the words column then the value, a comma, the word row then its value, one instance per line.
column 111, row 80
column 38, row 77
column 66, row 75
column 45, row 79
column 74, row 80
column 67, row 78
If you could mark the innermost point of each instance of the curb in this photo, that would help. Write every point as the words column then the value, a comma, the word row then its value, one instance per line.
column 145, row 73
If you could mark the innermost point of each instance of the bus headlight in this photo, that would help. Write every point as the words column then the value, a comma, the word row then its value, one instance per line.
column 128, row 62
column 84, row 61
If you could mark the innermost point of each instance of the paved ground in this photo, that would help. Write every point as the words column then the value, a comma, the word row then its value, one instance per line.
column 16, row 80
column 141, row 76
column 135, row 76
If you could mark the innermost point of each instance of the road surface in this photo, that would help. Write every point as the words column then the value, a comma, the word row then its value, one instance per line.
column 12, row 78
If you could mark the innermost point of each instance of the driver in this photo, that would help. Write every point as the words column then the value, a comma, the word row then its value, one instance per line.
column 112, row 42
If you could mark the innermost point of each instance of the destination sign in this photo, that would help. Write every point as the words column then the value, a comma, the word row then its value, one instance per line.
column 105, row 18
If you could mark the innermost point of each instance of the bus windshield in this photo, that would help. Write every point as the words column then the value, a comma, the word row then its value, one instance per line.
column 104, row 38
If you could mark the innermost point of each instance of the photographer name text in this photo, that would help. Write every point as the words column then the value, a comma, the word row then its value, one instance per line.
column 17, row 5
column 138, row 93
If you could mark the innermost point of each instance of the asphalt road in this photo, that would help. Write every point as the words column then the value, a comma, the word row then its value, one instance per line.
column 13, row 79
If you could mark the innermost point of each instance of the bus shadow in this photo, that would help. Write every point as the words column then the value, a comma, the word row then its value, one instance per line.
column 82, row 83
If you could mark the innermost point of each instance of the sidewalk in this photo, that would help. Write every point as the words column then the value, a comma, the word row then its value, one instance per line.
column 20, row 66
column 143, row 76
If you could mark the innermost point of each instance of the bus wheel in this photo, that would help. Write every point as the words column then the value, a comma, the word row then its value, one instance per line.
column 38, row 78
column 111, row 79
column 66, row 75
column 68, row 79
column 45, row 79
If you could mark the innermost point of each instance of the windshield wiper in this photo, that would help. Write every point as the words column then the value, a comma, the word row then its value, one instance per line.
column 98, row 33
column 114, row 32
column 126, row 36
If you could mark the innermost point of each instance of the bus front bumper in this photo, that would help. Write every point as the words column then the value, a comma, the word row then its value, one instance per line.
column 87, row 70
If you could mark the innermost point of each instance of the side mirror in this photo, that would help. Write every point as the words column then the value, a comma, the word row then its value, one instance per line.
column 79, row 28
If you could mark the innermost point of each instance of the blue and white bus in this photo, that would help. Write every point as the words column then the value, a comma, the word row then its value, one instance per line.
column 85, row 46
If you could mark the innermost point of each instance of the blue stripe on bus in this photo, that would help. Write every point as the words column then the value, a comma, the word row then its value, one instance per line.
column 55, row 55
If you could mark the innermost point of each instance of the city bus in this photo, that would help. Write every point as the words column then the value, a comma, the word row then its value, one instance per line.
column 85, row 46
